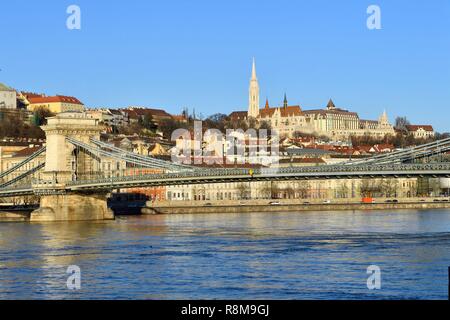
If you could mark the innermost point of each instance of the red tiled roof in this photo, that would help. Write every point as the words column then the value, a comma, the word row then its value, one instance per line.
column 416, row 127
column 238, row 115
column 284, row 111
column 57, row 98
column 26, row 152
column 180, row 118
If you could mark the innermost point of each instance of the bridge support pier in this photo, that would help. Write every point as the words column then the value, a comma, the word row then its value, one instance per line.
column 72, row 207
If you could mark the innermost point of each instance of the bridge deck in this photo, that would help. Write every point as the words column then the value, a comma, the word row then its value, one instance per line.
column 240, row 175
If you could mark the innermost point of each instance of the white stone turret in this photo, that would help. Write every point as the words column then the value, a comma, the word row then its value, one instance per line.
column 383, row 121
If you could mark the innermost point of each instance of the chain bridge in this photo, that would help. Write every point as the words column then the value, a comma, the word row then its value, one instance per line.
column 76, row 170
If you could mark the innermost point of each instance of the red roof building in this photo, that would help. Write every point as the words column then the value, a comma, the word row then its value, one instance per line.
column 421, row 131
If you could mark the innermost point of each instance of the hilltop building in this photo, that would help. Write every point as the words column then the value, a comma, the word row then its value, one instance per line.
column 8, row 97
column 340, row 124
column 109, row 117
column 420, row 131
column 334, row 122
column 56, row 104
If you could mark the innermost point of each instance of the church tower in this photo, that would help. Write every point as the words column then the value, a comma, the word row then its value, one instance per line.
column 383, row 121
column 253, row 97
column 330, row 105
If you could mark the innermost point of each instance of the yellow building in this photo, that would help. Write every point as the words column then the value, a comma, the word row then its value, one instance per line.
column 56, row 104
column 339, row 124
column 10, row 159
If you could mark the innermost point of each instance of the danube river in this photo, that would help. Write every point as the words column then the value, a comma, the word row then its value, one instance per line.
column 307, row 255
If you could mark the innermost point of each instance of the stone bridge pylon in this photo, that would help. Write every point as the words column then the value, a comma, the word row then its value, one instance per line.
column 64, row 162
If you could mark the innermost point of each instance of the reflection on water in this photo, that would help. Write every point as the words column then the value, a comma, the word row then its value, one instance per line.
column 316, row 255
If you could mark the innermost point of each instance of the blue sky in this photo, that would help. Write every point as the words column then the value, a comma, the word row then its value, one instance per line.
column 197, row 54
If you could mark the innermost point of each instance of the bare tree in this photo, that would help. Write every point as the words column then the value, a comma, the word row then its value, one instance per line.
column 435, row 187
column 289, row 192
column 243, row 191
column 303, row 189
column 401, row 123
column 266, row 190
column 370, row 188
column 389, row 187
column 342, row 191
column 275, row 190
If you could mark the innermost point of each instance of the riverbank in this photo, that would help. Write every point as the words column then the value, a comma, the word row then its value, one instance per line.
column 249, row 206
column 285, row 206
column 6, row 216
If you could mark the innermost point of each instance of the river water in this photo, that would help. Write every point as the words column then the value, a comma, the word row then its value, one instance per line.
column 307, row 255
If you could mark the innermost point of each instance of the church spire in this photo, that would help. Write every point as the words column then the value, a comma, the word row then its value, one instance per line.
column 384, row 117
column 253, row 94
column 267, row 103
column 254, row 70
column 330, row 105
column 285, row 102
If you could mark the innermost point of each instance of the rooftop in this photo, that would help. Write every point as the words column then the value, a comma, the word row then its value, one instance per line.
column 425, row 127
column 57, row 98
column 26, row 152
column 330, row 111
column 285, row 111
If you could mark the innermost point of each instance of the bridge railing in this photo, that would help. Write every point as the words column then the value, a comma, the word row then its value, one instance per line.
column 22, row 163
column 363, row 169
column 419, row 151
column 16, row 190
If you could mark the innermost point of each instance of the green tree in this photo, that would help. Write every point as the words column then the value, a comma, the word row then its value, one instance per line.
column 40, row 116
column 147, row 122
